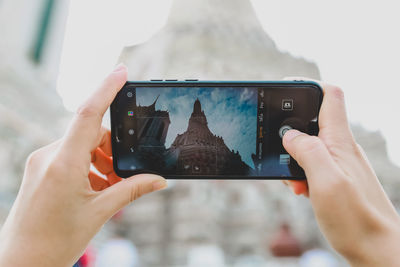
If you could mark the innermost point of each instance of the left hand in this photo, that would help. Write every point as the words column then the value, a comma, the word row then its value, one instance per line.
column 62, row 204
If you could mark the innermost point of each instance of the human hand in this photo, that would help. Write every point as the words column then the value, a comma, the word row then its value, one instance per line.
column 62, row 204
column 350, row 205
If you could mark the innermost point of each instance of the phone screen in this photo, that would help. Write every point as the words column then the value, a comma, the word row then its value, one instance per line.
column 211, row 131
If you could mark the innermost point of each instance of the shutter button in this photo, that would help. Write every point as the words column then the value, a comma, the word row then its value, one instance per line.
column 284, row 129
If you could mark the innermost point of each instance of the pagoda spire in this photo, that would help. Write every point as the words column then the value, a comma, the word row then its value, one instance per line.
column 153, row 106
column 197, row 107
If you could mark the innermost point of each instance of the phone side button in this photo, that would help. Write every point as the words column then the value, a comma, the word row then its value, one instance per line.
column 117, row 134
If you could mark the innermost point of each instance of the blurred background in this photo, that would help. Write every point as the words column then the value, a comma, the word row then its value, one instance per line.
column 53, row 53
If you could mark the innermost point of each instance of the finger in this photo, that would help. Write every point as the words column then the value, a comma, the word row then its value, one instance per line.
column 102, row 162
column 333, row 117
column 97, row 183
column 113, row 178
column 299, row 187
column 313, row 156
column 82, row 136
column 104, row 165
column 124, row 192
column 36, row 159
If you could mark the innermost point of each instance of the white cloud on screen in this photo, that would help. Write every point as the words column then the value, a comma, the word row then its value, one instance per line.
column 227, row 114
column 246, row 95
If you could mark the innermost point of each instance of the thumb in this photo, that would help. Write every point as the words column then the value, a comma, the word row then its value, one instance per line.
column 311, row 154
column 127, row 190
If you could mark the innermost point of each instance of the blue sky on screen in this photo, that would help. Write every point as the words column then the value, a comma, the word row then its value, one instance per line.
column 231, row 113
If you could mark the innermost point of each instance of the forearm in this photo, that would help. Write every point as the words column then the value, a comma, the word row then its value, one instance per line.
column 376, row 250
column 17, row 257
column 15, row 251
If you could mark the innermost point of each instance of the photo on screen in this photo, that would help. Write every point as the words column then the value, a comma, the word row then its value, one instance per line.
column 203, row 131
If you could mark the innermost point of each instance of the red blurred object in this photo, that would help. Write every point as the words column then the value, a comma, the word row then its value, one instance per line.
column 88, row 258
column 118, row 216
column 284, row 244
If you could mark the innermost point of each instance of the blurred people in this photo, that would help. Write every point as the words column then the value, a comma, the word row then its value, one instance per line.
column 206, row 255
column 248, row 257
column 118, row 251
column 284, row 243
column 318, row 258
column 87, row 259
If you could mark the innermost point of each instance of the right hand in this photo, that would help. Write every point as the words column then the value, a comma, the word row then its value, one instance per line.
column 351, row 207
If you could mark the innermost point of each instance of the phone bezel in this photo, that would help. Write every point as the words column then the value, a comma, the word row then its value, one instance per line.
column 193, row 83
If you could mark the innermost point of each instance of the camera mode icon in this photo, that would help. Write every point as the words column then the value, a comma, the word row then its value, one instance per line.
column 287, row 104
column 284, row 159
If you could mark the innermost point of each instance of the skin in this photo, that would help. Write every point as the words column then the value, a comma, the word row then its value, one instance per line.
column 350, row 205
column 62, row 204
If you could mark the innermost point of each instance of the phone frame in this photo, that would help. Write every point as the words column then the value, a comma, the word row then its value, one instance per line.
column 196, row 83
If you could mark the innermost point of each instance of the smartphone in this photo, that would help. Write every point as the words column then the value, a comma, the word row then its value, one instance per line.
column 211, row 129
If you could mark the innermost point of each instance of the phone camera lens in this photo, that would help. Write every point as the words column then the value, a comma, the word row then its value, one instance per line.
column 129, row 94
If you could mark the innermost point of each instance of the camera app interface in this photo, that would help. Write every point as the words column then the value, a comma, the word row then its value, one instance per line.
column 211, row 131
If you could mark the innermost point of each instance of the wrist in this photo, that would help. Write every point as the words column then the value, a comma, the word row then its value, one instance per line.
column 376, row 250
column 9, row 253
column 17, row 250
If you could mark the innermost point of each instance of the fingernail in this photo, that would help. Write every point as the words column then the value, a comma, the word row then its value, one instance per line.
column 119, row 67
column 160, row 184
column 289, row 135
